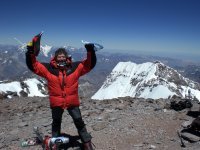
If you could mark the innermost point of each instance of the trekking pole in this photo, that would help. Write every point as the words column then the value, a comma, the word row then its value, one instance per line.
column 38, row 134
column 179, row 135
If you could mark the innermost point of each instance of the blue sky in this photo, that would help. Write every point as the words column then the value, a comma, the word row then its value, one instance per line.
column 164, row 27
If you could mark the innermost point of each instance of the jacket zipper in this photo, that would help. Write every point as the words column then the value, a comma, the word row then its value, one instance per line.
column 63, row 87
column 63, row 80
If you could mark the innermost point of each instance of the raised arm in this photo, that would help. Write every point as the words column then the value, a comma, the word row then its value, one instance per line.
column 89, row 63
column 34, row 65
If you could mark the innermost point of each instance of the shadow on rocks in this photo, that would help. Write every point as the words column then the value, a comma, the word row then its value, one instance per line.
column 192, row 132
column 193, row 114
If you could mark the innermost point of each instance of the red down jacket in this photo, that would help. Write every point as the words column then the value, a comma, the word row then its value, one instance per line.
column 62, row 85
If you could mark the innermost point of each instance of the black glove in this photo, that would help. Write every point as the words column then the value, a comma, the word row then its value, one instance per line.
column 30, row 48
column 89, row 47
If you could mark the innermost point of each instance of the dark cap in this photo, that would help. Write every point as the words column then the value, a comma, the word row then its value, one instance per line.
column 61, row 51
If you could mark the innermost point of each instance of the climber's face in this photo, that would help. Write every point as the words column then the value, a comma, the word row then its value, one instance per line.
column 61, row 58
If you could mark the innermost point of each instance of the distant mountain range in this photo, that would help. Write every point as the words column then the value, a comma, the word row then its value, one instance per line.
column 147, row 80
column 13, row 67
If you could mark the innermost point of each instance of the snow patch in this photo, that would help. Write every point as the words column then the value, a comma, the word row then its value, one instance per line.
column 33, row 88
column 158, row 92
column 29, row 86
column 13, row 87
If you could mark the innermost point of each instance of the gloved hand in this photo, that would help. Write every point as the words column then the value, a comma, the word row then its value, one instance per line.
column 30, row 48
column 89, row 47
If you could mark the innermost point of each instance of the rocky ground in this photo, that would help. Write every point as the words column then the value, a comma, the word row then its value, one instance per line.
column 118, row 124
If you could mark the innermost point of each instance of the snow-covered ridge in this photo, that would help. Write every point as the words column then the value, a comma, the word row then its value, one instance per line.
column 147, row 80
column 29, row 87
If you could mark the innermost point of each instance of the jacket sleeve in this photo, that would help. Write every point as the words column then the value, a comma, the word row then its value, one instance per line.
column 35, row 66
column 89, row 63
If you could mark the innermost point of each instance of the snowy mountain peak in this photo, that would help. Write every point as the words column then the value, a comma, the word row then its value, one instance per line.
column 147, row 80
column 46, row 49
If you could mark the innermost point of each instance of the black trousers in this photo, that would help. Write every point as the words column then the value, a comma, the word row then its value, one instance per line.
column 78, row 121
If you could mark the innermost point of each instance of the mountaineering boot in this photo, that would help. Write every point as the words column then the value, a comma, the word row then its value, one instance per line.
column 88, row 146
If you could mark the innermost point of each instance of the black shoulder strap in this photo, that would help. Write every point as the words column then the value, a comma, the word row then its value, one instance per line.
column 51, row 69
column 55, row 71
column 73, row 67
